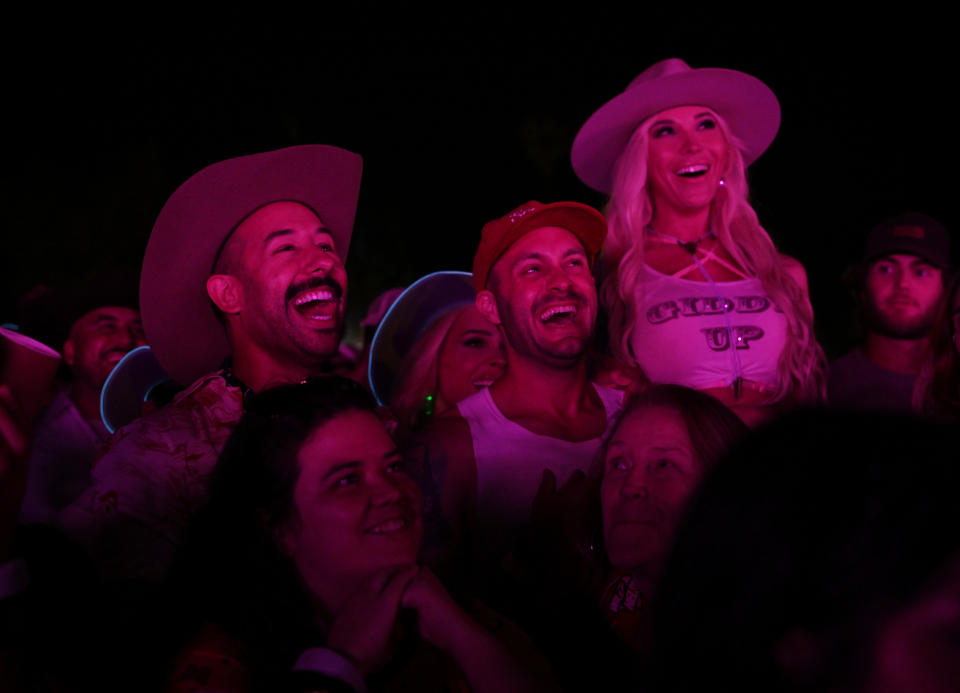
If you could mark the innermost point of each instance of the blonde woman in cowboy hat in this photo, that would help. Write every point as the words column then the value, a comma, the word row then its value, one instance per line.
column 696, row 292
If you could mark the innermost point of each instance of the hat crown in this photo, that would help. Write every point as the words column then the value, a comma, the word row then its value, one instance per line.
column 664, row 68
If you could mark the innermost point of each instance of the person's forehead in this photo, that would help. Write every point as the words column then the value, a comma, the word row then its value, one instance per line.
column 353, row 436
column 471, row 319
column 105, row 313
column 904, row 259
column 545, row 240
column 279, row 216
column 681, row 113
column 653, row 417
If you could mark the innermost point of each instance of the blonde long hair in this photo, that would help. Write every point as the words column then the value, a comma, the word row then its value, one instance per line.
column 419, row 373
column 801, row 369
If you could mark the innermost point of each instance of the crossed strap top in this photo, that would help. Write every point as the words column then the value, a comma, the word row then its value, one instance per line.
column 705, row 335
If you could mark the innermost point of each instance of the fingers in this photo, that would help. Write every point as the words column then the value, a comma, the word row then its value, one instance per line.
column 387, row 581
column 577, row 478
column 548, row 484
column 420, row 587
column 574, row 488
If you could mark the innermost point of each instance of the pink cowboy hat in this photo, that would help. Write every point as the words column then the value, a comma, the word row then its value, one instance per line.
column 178, row 317
column 747, row 105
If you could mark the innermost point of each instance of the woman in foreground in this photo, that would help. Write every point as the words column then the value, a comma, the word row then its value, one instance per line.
column 306, row 559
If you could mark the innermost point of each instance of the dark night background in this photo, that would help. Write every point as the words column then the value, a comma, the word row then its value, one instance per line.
column 459, row 119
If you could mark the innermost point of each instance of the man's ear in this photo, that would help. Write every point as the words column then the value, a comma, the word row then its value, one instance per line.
column 487, row 305
column 225, row 292
column 69, row 352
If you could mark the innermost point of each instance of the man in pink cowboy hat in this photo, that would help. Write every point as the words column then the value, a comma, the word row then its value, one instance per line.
column 540, row 425
column 242, row 287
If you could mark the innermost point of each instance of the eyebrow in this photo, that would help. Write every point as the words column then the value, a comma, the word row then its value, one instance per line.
column 533, row 255
column 536, row 255
column 279, row 233
column 276, row 234
column 668, row 121
column 621, row 444
column 354, row 464
column 476, row 331
column 337, row 468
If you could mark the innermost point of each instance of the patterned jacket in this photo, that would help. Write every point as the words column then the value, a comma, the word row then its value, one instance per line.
column 151, row 480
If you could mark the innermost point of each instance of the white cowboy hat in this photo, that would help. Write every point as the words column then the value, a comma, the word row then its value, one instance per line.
column 746, row 104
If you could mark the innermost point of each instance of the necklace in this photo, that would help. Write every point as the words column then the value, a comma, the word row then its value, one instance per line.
column 689, row 246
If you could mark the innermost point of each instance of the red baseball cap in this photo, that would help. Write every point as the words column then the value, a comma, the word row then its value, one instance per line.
column 583, row 221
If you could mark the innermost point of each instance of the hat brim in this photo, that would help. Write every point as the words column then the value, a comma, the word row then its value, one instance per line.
column 411, row 314
column 179, row 321
column 746, row 104
column 128, row 386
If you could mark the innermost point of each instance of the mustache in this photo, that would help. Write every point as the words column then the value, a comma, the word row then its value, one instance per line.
column 570, row 295
column 315, row 283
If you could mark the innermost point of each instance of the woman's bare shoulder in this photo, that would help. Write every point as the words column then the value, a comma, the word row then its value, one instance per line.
column 795, row 269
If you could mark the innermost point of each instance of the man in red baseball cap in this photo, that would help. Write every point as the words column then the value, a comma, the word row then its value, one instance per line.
column 243, row 287
column 541, row 423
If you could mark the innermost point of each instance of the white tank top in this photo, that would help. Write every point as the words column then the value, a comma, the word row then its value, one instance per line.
column 687, row 334
column 510, row 458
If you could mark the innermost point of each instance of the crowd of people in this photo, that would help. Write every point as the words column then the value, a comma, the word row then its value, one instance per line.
column 611, row 455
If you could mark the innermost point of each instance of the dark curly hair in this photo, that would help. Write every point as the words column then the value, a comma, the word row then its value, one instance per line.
column 230, row 570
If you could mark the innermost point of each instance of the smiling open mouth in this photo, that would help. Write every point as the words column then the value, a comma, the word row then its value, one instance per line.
column 558, row 315
column 396, row 524
column 692, row 171
column 316, row 304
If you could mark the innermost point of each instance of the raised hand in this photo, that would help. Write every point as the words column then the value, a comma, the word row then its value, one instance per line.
column 363, row 625
column 440, row 620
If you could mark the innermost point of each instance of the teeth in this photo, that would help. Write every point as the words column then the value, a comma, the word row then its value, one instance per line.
column 482, row 383
column 550, row 312
column 388, row 526
column 315, row 295
column 692, row 169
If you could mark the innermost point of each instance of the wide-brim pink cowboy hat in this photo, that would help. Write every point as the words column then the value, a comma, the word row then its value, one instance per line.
column 748, row 106
column 178, row 318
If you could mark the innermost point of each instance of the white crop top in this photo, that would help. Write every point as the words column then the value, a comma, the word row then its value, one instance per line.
column 685, row 329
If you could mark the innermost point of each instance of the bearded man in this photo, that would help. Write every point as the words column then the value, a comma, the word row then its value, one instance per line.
column 540, row 425
column 243, row 287
column 905, row 267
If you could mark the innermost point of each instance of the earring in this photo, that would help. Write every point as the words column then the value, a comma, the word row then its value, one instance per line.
column 723, row 182
column 428, row 406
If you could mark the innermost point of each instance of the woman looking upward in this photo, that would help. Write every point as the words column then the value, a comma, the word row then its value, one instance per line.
column 696, row 292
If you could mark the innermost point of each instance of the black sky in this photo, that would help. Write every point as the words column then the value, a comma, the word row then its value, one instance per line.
column 459, row 119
